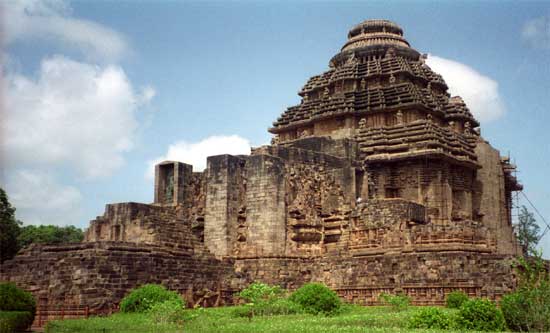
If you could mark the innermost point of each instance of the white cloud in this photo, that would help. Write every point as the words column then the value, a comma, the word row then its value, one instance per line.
column 74, row 114
column 51, row 20
column 480, row 92
column 39, row 199
column 72, row 118
column 536, row 32
column 195, row 153
column 147, row 94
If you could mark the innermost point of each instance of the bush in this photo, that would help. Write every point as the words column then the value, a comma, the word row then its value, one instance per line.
column 455, row 299
column 257, row 292
column 480, row 315
column 431, row 317
column 264, row 300
column 316, row 298
column 15, row 299
column 270, row 308
column 170, row 311
column 528, row 309
column 515, row 310
column 15, row 321
column 145, row 297
column 17, row 308
column 398, row 302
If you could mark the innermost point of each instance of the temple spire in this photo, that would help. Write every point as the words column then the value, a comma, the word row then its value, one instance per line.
column 375, row 32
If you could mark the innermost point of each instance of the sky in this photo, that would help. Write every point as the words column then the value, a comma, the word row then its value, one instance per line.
column 94, row 93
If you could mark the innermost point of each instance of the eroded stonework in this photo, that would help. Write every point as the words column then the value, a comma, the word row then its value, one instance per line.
column 378, row 181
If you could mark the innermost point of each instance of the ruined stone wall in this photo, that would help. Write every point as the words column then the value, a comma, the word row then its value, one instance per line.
column 445, row 189
column 318, row 208
column 173, row 183
column 343, row 148
column 396, row 225
column 193, row 213
column 265, row 206
column 99, row 274
column 491, row 199
column 224, row 199
column 426, row 277
column 143, row 224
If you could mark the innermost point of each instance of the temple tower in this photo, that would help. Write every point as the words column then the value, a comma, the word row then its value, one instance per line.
column 415, row 141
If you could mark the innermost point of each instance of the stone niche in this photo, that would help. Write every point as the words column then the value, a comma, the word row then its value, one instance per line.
column 171, row 179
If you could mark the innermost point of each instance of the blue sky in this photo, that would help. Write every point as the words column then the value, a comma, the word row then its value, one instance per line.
column 95, row 92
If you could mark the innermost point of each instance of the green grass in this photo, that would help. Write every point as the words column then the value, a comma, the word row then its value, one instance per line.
column 353, row 319
column 117, row 323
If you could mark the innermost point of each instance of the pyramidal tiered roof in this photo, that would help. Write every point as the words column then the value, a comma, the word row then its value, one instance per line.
column 380, row 85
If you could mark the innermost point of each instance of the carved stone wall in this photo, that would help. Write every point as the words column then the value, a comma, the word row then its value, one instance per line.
column 426, row 277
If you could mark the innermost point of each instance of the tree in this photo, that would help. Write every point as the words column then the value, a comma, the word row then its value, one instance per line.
column 9, row 228
column 528, row 232
column 50, row 234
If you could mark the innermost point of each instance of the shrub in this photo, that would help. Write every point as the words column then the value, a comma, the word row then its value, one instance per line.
column 170, row 311
column 528, row 309
column 143, row 298
column 15, row 321
column 257, row 292
column 15, row 299
column 274, row 307
column 480, row 315
column 430, row 317
column 316, row 298
column 455, row 299
column 515, row 310
column 264, row 300
column 17, row 308
column 398, row 302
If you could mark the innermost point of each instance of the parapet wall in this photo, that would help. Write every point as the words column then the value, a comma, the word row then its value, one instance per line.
column 425, row 277
column 144, row 224
column 99, row 274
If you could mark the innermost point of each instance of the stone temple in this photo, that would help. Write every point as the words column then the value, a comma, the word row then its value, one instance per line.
column 378, row 181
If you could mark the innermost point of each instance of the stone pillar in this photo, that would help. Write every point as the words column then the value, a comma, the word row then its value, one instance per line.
column 493, row 207
column 222, row 203
column 171, row 182
column 265, row 205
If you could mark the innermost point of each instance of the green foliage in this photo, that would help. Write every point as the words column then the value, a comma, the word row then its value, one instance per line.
column 480, row 315
column 258, row 292
column 16, row 299
column 116, row 323
column 274, row 307
column 264, row 300
column 372, row 319
column 431, row 317
column 15, row 321
column 528, row 308
column 455, row 299
column 145, row 297
column 398, row 302
column 527, row 231
column 170, row 311
column 49, row 234
column 316, row 298
column 17, row 308
column 14, row 237
column 514, row 308
column 9, row 229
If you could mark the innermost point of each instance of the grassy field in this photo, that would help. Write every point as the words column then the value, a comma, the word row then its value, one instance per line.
column 354, row 319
